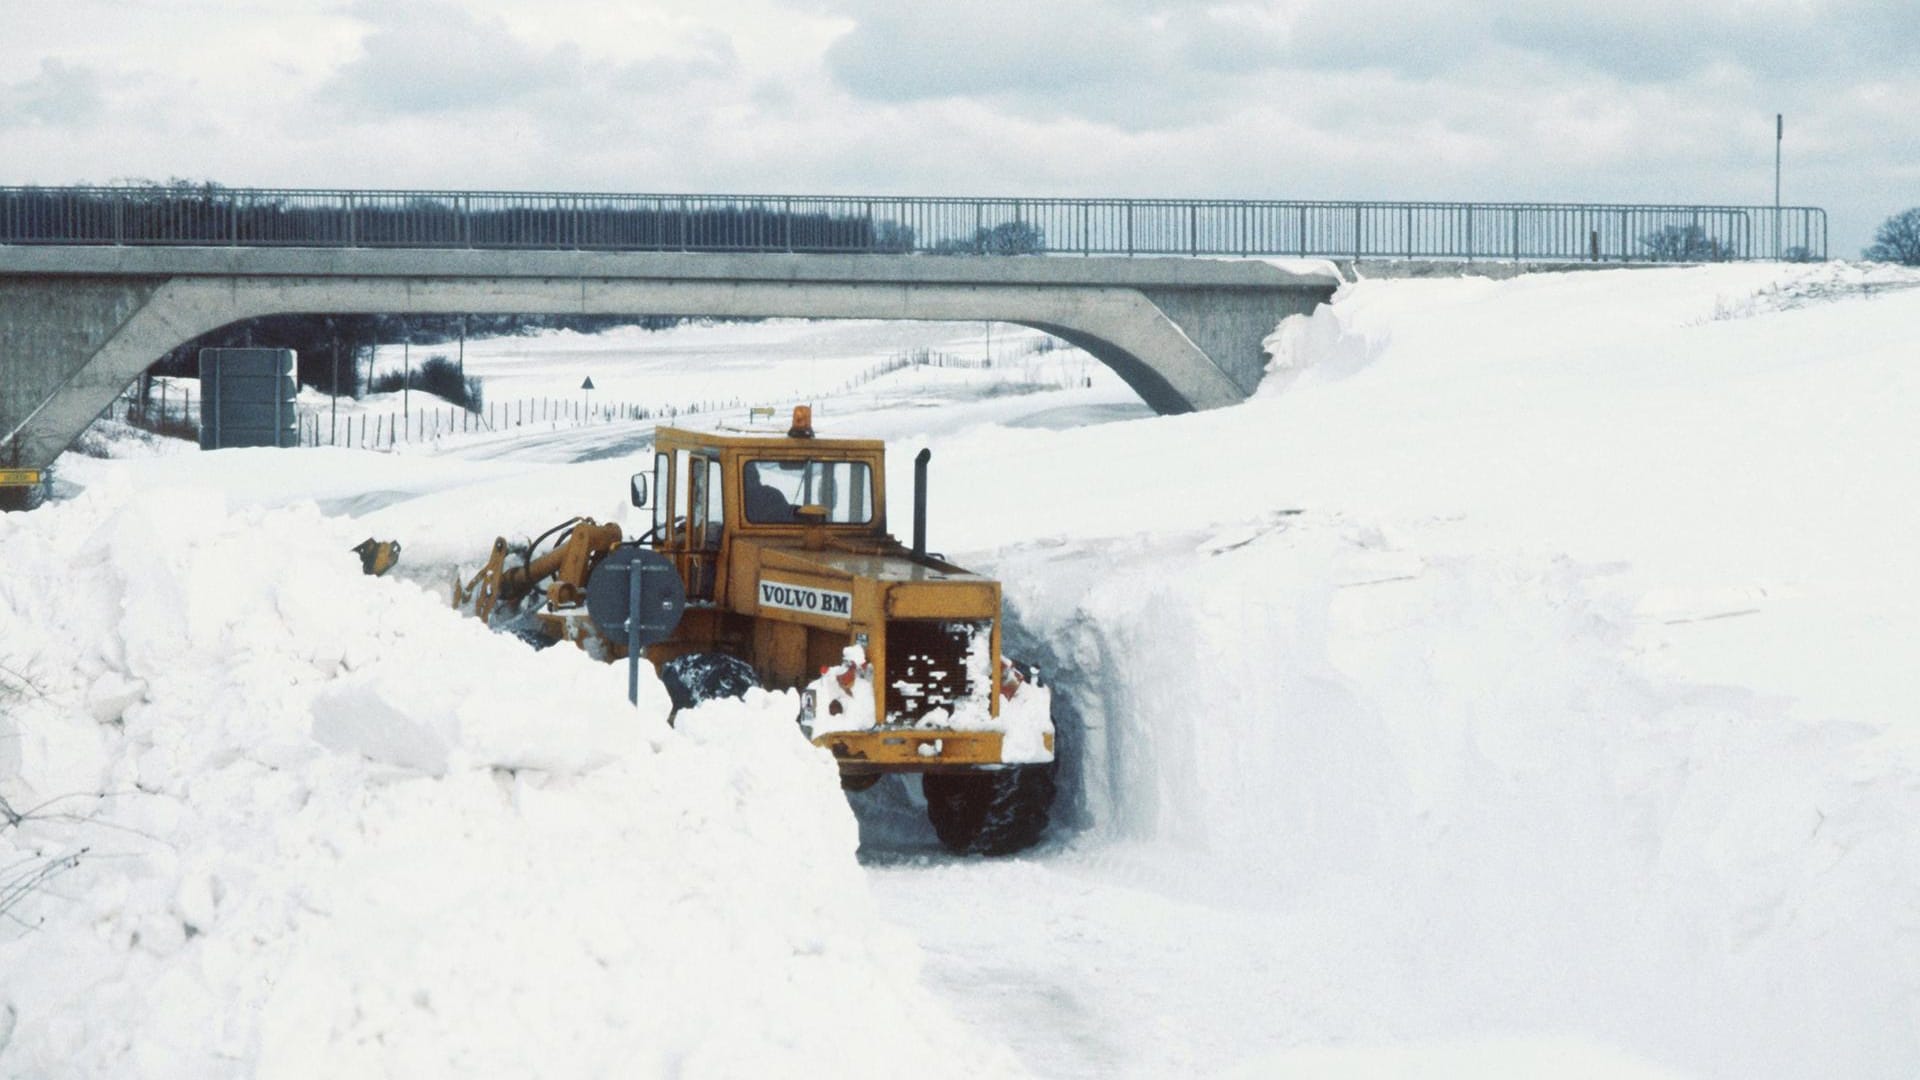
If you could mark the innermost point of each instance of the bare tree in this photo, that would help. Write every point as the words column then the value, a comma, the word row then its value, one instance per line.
column 1685, row 243
column 1897, row 239
column 1007, row 238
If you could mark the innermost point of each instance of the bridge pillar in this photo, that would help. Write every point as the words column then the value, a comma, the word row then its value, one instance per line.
column 50, row 328
column 1229, row 325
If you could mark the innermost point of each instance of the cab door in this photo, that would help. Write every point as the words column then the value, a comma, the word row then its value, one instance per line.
column 706, row 525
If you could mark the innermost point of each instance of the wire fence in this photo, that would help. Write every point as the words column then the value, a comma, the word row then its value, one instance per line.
column 175, row 411
column 172, row 406
column 287, row 217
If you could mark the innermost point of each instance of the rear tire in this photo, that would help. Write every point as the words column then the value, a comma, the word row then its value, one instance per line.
column 705, row 676
column 997, row 812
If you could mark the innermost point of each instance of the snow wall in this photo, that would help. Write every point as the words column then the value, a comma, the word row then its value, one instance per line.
column 1442, row 728
column 270, row 817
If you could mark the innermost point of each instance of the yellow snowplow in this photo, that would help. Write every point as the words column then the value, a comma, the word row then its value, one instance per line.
column 791, row 580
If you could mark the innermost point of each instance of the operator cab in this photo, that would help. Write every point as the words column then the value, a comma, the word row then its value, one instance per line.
column 709, row 486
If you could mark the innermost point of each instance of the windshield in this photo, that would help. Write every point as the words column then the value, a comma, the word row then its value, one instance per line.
column 773, row 489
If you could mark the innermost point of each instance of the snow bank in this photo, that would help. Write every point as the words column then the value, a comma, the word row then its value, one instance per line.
column 1452, row 775
column 1535, row 660
column 300, row 822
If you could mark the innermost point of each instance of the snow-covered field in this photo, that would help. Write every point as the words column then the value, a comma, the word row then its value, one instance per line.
column 1522, row 685
column 774, row 360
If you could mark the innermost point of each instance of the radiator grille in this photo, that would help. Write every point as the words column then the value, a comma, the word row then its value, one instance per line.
column 926, row 665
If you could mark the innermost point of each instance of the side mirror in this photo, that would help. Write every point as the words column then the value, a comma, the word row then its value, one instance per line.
column 639, row 489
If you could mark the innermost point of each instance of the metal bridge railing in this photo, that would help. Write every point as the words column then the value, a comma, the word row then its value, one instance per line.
column 249, row 217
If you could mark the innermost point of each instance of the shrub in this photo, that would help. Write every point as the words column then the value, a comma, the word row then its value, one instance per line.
column 437, row 376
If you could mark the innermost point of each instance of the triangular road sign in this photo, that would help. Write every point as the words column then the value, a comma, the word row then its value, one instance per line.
column 588, row 385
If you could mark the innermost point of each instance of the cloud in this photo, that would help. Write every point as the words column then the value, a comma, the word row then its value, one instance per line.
column 1132, row 66
column 707, row 55
column 1634, row 40
column 1143, row 64
column 61, row 95
column 917, row 51
column 430, row 57
column 1495, row 99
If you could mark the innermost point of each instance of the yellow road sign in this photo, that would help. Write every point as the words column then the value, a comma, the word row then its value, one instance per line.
column 19, row 477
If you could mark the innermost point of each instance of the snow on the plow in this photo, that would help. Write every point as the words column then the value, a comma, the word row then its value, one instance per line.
column 295, row 821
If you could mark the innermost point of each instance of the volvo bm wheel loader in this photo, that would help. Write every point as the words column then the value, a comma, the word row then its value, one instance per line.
column 791, row 580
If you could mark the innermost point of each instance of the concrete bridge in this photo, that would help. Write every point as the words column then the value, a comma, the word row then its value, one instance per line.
column 79, row 323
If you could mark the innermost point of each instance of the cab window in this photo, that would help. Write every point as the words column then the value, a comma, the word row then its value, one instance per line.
column 772, row 490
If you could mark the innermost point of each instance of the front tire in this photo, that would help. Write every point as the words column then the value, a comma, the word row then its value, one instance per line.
column 996, row 812
column 705, row 676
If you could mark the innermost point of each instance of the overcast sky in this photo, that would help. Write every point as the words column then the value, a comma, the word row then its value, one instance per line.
column 1566, row 100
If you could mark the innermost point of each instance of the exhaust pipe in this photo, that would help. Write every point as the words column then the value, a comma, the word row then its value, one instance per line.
column 920, row 502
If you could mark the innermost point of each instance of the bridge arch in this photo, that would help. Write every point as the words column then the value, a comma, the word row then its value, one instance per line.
column 1183, row 334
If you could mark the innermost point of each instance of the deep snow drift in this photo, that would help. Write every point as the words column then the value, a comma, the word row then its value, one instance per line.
column 1534, row 660
column 300, row 822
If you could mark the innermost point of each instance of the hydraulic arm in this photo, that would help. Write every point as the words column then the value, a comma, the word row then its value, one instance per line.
column 582, row 544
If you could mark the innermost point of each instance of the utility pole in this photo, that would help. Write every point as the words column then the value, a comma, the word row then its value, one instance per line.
column 1779, row 136
column 461, row 364
column 406, row 371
